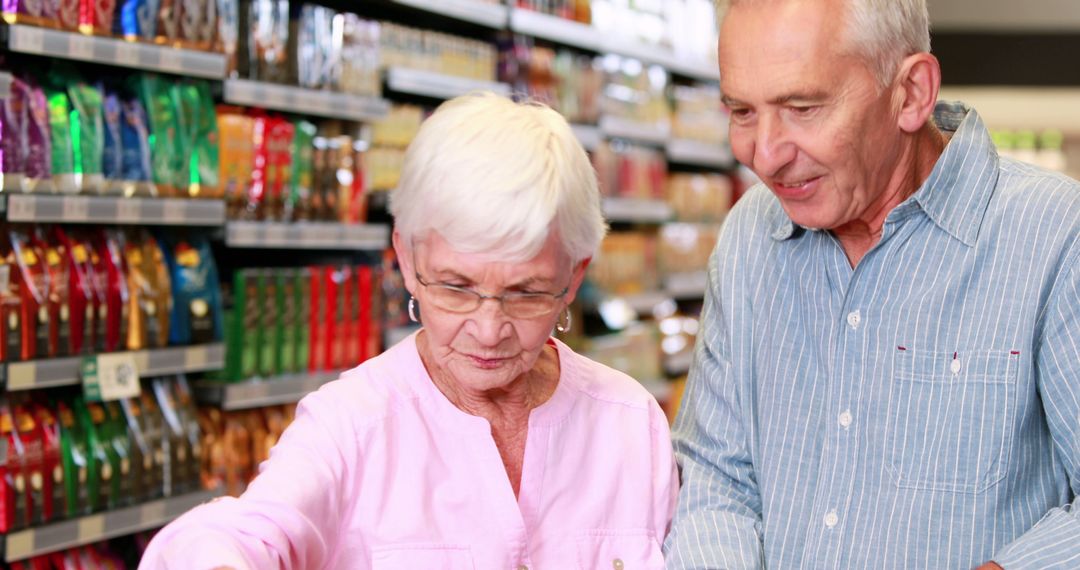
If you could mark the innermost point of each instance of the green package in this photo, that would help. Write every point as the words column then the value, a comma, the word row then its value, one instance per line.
column 165, row 158
column 129, row 474
column 87, row 136
column 185, row 97
column 285, row 332
column 75, row 461
column 99, row 468
column 206, row 164
column 303, row 318
column 268, row 322
column 63, row 161
column 241, row 355
column 298, row 201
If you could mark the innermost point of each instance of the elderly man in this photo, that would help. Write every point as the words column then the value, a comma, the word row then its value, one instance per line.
column 888, row 373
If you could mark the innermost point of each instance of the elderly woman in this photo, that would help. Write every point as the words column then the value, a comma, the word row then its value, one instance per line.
column 480, row 442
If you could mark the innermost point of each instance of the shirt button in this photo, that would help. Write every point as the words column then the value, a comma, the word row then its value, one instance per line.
column 617, row 564
column 845, row 419
column 853, row 319
column 831, row 519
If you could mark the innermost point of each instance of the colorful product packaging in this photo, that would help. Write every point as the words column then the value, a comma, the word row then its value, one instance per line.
column 319, row 319
column 165, row 151
column 152, row 423
column 302, row 323
column 267, row 320
column 189, row 419
column 96, row 16
column 112, row 156
column 101, row 464
column 129, row 472
column 13, row 135
column 267, row 31
column 63, row 157
column 236, row 133
column 285, row 329
column 136, row 168
column 104, row 452
column 34, row 295
column 197, row 314
column 298, row 201
column 174, row 439
column 54, row 504
column 38, row 150
column 13, row 514
column 279, row 144
column 206, row 181
column 82, row 302
column 168, row 21
column 75, row 460
column 228, row 32
column 58, row 265
column 111, row 283
column 142, row 461
column 87, row 135
column 34, row 468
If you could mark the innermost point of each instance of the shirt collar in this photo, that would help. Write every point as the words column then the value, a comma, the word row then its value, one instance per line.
column 956, row 193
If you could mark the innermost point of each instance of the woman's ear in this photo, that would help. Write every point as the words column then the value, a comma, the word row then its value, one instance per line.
column 404, row 252
column 576, row 278
column 919, row 81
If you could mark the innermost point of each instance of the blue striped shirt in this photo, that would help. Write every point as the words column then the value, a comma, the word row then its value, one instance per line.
column 921, row 410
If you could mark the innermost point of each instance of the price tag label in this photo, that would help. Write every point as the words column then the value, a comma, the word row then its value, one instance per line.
column 171, row 60
column 127, row 54
column 29, row 40
column 81, row 47
column 76, row 209
column 21, row 208
column 275, row 234
column 174, row 211
column 128, row 210
column 110, row 376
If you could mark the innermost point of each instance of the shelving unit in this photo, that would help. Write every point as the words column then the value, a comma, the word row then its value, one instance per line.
column 490, row 15
column 261, row 392
column 637, row 210
column 307, row 235
column 52, row 372
column 23, row 544
column 618, row 127
column 642, row 303
column 696, row 153
column 33, row 40
column 437, row 85
column 114, row 210
column 321, row 103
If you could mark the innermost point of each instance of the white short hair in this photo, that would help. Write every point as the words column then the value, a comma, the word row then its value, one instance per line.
column 883, row 32
column 496, row 177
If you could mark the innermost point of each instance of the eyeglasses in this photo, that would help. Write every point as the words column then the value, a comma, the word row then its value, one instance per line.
column 455, row 299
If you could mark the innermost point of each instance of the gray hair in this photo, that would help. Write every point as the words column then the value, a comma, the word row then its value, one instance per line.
column 495, row 177
column 883, row 32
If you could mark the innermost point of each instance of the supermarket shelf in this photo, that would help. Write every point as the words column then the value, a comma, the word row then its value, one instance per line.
column 556, row 29
column 114, row 210
column 5, row 84
column 689, row 285
column 306, row 235
column 482, row 13
column 685, row 151
column 641, row 303
column 618, row 127
column 584, row 36
column 51, row 372
column 678, row 364
column 23, row 544
column 637, row 210
column 71, row 45
column 588, row 135
column 437, row 85
column 322, row 103
column 261, row 392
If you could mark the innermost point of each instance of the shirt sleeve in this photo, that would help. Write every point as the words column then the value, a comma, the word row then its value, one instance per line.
column 290, row 515
column 1054, row 542
column 718, row 520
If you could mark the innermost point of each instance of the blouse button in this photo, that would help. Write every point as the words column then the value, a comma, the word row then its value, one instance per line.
column 617, row 564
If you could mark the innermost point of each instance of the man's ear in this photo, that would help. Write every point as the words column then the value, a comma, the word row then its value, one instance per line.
column 404, row 253
column 919, row 81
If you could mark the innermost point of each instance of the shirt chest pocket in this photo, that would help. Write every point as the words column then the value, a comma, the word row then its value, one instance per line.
column 422, row 557
column 952, row 415
column 619, row 550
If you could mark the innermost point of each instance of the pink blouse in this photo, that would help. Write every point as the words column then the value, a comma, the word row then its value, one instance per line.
column 379, row 470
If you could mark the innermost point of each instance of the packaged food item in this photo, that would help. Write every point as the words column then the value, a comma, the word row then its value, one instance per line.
column 165, row 151
column 112, row 156
column 34, row 469
column 96, row 16
column 82, row 302
column 374, row 315
column 302, row 324
column 111, row 283
column 153, row 427
column 285, row 328
column 103, row 451
column 38, row 150
column 14, row 115
column 10, row 303
column 75, row 459
column 242, row 352
column 237, row 158
column 168, row 21
column 212, row 428
column 185, row 98
column 363, row 317
column 58, row 265
column 147, row 16
column 206, row 183
column 344, row 178
column 266, row 292
column 238, row 445
column 127, row 22
column 149, row 291
column 279, row 140
column 135, row 163
column 54, row 504
column 33, row 279
column 128, row 473
column 87, row 135
column 143, row 480
column 101, row 465
column 267, row 40
column 298, row 201
column 189, row 420
column 63, row 161
column 68, row 14
column 341, row 335
column 197, row 314
column 353, row 350
column 320, row 159
column 207, row 33
column 30, row 12
column 255, row 206
column 228, row 32
column 176, row 446
column 359, row 56
column 320, row 319
column 13, row 513
column 190, row 14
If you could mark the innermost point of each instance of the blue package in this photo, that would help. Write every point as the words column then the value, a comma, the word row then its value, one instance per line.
column 126, row 22
column 135, row 138
column 112, row 155
column 197, row 316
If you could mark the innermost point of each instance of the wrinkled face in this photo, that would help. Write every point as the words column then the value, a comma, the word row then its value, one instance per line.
column 808, row 118
column 486, row 349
